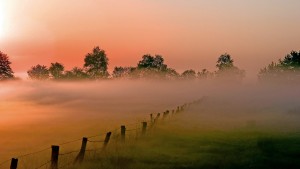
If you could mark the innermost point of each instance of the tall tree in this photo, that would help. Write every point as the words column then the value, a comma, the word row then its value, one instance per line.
column 38, row 72
column 96, row 63
column 5, row 69
column 56, row 70
column 224, row 62
column 226, row 68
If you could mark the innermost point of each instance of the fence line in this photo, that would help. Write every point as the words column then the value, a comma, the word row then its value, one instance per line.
column 154, row 117
column 48, row 162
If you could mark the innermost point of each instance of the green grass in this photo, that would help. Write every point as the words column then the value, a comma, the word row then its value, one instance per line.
column 173, row 149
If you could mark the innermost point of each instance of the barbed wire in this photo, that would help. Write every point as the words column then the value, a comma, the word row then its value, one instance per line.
column 132, row 129
column 96, row 141
column 24, row 155
column 115, row 135
column 96, row 135
column 43, row 164
column 68, row 142
column 4, row 162
column 71, row 152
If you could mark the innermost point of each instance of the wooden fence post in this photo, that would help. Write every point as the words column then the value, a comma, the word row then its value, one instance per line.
column 106, row 140
column 144, row 128
column 81, row 154
column 158, row 115
column 164, row 115
column 123, row 131
column 151, row 118
column 14, row 163
column 54, row 157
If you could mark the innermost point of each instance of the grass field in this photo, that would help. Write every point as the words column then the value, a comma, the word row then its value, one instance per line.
column 183, row 149
column 234, row 127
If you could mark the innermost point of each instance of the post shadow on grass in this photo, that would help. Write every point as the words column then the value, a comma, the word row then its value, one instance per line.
column 81, row 154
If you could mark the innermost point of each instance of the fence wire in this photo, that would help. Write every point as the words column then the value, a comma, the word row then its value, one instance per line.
column 114, row 136
column 48, row 162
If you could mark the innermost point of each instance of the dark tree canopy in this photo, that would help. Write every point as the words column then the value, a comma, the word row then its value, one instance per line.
column 204, row 74
column 96, row 64
column 189, row 74
column 38, row 72
column 151, row 62
column 123, row 72
column 153, row 67
column 5, row 69
column 224, row 62
column 57, row 70
column 171, row 74
column 75, row 74
column 291, row 61
column 226, row 69
column 286, row 70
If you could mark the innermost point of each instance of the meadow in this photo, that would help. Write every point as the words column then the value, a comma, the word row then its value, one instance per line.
column 236, row 126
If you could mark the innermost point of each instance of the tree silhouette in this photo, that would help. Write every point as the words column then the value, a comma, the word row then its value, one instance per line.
column 291, row 61
column 224, row 62
column 5, row 69
column 151, row 62
column 123, row 72
column 171, row 74
column 96, row 64
column 189, row 74
column 152, row 67
column 226, row 69
column 286, row 70
column 56, row 70
column 38, row 72
column 204, row 74
column 75, row 74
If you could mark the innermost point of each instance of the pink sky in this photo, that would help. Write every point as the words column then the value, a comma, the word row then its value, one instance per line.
column 189, row 34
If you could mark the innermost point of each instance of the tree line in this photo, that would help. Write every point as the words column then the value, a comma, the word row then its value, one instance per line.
column 96, row 63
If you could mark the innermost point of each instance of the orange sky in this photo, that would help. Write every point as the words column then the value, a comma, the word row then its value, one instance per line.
column 189, row 34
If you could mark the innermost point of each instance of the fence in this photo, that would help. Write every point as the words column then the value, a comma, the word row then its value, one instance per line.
column 78, row 156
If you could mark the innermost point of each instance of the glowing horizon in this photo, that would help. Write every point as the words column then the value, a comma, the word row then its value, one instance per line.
column 189, row 34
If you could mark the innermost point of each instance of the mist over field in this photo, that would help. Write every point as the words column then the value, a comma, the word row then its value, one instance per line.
column 38, row 114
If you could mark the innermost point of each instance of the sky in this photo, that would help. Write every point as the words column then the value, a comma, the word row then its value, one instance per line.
column 189, row 34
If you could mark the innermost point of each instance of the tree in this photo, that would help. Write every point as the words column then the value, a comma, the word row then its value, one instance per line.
column 171, row 74
column 56, row 70
column 204, row 74
column 226, row 69
column 123, row 72
column 291, row 61
column 96, row 64
column 287, row 70
column 224, row 62
column 38, row 72
column 75, row 74
column 151, row 67
column 5, row 69
column 189, row 74
column 151, row 62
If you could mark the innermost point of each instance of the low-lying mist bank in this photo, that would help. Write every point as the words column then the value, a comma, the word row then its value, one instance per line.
column 38, row 114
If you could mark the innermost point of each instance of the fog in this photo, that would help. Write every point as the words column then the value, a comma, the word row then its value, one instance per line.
column 39, row 114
